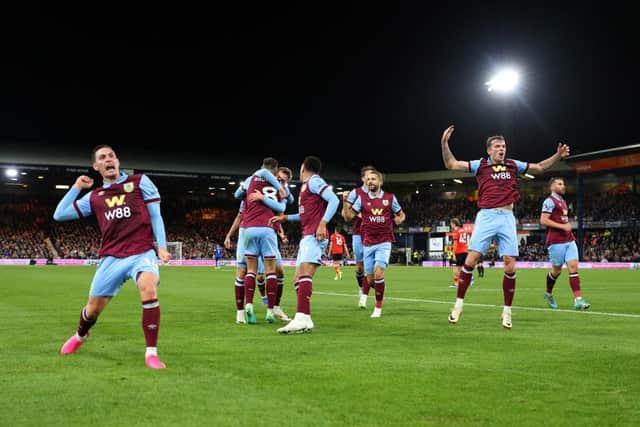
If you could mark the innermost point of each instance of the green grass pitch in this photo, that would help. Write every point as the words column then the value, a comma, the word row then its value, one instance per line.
column 408, row 368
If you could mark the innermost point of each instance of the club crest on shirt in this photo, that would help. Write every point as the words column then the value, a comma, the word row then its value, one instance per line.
column 385, row 203
column 128, row 187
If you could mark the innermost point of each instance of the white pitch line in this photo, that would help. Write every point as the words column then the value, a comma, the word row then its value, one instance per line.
column 431, row 301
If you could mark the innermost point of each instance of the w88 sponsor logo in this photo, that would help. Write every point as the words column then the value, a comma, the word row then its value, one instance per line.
column 501, row 175
column 118, row 213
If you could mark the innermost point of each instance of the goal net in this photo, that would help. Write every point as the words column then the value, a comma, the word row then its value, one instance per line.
column 175, row 249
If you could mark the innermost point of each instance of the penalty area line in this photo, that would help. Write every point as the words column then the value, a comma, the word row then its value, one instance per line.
column 467, row 304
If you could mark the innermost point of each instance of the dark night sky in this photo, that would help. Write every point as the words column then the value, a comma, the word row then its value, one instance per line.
column 352, row 84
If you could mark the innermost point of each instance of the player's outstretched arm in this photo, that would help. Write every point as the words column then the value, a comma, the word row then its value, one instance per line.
column 562, row 152
column 66, row 210
column 449, row 159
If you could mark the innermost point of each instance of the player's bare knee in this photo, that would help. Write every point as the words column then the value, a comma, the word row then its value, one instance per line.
column 509, row 264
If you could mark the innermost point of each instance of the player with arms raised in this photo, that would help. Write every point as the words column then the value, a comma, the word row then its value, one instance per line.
column 127, row 208
column 497, row 192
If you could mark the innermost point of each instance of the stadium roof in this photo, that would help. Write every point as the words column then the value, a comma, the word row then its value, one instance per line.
column 179, row 160
column 616, row 151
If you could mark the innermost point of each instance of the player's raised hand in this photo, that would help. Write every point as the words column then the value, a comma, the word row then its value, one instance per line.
column 164, row 255
column 278, row 218
column 83, row 182
column 563, row 150
column 446, row 135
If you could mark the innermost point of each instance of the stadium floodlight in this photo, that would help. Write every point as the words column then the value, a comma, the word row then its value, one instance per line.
column 11, row 172
column 505, row 81
column 457, row 181
column 528, row 175
column 62, row 187
column 232, row 183
column 292, row 185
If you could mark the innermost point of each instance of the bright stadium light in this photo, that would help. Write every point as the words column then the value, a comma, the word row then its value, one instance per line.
column 505, row 81
column 62, row 187
column 11, row 173
column 528, row 175
column 457, row 181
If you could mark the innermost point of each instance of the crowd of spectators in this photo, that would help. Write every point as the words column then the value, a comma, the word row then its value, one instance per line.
column 26, row 228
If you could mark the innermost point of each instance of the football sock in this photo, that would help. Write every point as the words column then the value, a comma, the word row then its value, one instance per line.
column 305, row 286
column 509, row 287
column 574, row 282
column 151, row 321
column 85, row 323
column 551, row 281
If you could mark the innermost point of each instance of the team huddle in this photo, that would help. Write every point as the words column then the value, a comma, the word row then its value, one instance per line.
column 127, row 208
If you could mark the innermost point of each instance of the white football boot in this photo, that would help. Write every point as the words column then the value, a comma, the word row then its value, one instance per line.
column 300, row 324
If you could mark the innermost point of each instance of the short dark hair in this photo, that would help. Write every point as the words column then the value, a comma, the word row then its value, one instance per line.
column 554, row 179
column 312, row 164
column 493, row 138
column 270, row 163
column 95, row 150
column 456, row 221
column 286, row 171
column 367, row 168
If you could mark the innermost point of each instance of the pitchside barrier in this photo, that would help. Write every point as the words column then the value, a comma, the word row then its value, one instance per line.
column 537, row 264
column 292, row 263
column 184, row 262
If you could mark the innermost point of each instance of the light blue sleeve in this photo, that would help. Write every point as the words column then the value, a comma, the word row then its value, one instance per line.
column 395, row 206
column 290, row 198
column 149, row 190
column 473, row 166
column 157, row 224
column 269, row 177
column 66, row 210
column 242, row 189
column 548, row 206
column 522, row 166
column 293, row 217
column 351, row 198
column 277, row 206
column 332, row 207
column 316, row 184
column 357, row 205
